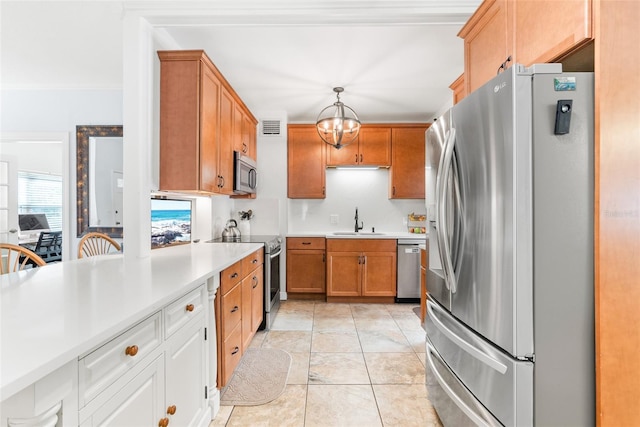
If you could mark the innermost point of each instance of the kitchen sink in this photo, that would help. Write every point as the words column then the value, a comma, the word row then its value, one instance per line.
column 359, row 233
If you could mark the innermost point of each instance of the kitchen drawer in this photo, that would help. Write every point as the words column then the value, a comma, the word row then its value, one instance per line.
column 361, row 245
column 230, row 277
column 230, row 310
column 252, row 261
column 232, row 353
column 305, row 243
column 180, row 312
column 103, row 366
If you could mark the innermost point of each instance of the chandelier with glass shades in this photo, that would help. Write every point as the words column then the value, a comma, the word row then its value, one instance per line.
column 338, row 125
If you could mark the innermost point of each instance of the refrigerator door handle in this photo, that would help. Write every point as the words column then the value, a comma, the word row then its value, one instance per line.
column 456, row 399
column 469, row 348
column 441, row 212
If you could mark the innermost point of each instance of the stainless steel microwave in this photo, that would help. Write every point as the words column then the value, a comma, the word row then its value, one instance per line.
column 245, row 174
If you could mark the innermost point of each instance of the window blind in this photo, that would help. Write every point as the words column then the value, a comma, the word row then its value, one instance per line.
column 41, row 193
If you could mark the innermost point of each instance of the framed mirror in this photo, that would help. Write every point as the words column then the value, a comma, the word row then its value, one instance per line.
column 99, row 179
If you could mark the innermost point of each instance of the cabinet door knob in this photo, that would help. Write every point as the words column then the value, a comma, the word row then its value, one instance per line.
column 164, row 422
column 235, row 350
column 171, row 410
column 255, row 281
column 235, row 308
column 254, row 261
column 132, row 350
column 234, row 275
column 360, row 158
column 189, row 307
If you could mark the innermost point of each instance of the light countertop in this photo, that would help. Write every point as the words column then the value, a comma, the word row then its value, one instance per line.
column 56, row 313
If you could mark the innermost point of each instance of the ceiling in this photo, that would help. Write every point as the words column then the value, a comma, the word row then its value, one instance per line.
column 395, row 59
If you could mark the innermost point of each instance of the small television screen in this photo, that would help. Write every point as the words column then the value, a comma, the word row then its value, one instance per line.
column 170, row 222
column 28, row 222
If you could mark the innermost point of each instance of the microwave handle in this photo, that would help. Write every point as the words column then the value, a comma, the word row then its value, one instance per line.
column 253, row 178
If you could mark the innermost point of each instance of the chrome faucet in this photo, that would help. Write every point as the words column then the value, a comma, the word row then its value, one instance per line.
column 361, row 226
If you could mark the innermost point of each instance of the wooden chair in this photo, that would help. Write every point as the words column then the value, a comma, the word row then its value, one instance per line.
column 16, row 258
column 96, row 244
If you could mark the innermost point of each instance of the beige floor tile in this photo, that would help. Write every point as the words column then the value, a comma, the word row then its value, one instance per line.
column 408, row 322
column 416, row 339
column 332, row 310
column 395, row 368
column 294, row 306
column 405, row 405
column 341, row 405
column 293, row 321
column 286, row 411
column 335, row 342
column 299, row 371
column 258, row 339
column 369, row 310
column 326, row 323
column 402, row 308
column 423, row 358
column 338, row 368
column 376, row 324
column 383, row 341
column 290, row 341
column 221, row 417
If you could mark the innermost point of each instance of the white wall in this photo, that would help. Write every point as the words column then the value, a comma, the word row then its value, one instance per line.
column 59, row 111
column 368, row 190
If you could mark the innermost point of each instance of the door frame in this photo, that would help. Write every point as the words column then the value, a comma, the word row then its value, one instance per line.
column 62, row 138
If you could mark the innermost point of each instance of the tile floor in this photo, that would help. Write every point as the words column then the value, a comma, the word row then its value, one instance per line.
column 353, row 365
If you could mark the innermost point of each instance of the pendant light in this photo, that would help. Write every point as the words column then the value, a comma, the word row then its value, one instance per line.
column 338, row 125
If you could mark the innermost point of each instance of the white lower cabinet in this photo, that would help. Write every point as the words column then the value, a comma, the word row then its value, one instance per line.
column 185, row 381
column 167, row 385
column 137, row 403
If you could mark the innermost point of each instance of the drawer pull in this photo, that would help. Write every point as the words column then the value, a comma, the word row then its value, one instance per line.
column 235, row 350
column 234, row 275
column 255, row 280
column 306, row 243
column 132, row 350
column 164, row 422
column 171, row 410
column 254, row 261
column 189, row 307
column 234, row 309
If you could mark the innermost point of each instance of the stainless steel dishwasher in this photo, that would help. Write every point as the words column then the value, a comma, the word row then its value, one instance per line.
column 408, row 276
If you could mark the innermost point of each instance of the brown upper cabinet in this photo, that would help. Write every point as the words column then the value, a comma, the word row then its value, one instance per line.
column 198, row 112
column 487, row 42
column 372, row 148
column 527, row 31
column 406, row 175
column 458, row 89
column 546, row 31
column 305, row 163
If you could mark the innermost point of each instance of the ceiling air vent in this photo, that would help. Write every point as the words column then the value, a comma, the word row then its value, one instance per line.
column 270, row 128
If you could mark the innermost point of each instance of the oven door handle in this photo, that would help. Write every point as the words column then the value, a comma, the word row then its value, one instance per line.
column 272, row 256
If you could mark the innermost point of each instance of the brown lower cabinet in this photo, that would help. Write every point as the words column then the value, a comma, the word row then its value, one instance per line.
column 306, row 266
column 361, row 269
column 238, row 310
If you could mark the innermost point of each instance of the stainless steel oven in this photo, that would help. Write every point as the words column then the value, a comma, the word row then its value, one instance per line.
column 272, row 251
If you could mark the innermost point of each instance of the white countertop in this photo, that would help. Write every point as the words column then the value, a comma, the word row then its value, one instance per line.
column 53, row 314
column 362, row 235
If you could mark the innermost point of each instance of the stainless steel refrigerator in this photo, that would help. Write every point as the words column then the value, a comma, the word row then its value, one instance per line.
column 510, row 310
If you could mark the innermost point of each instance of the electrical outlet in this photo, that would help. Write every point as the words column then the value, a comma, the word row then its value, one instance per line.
column 334, row 219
